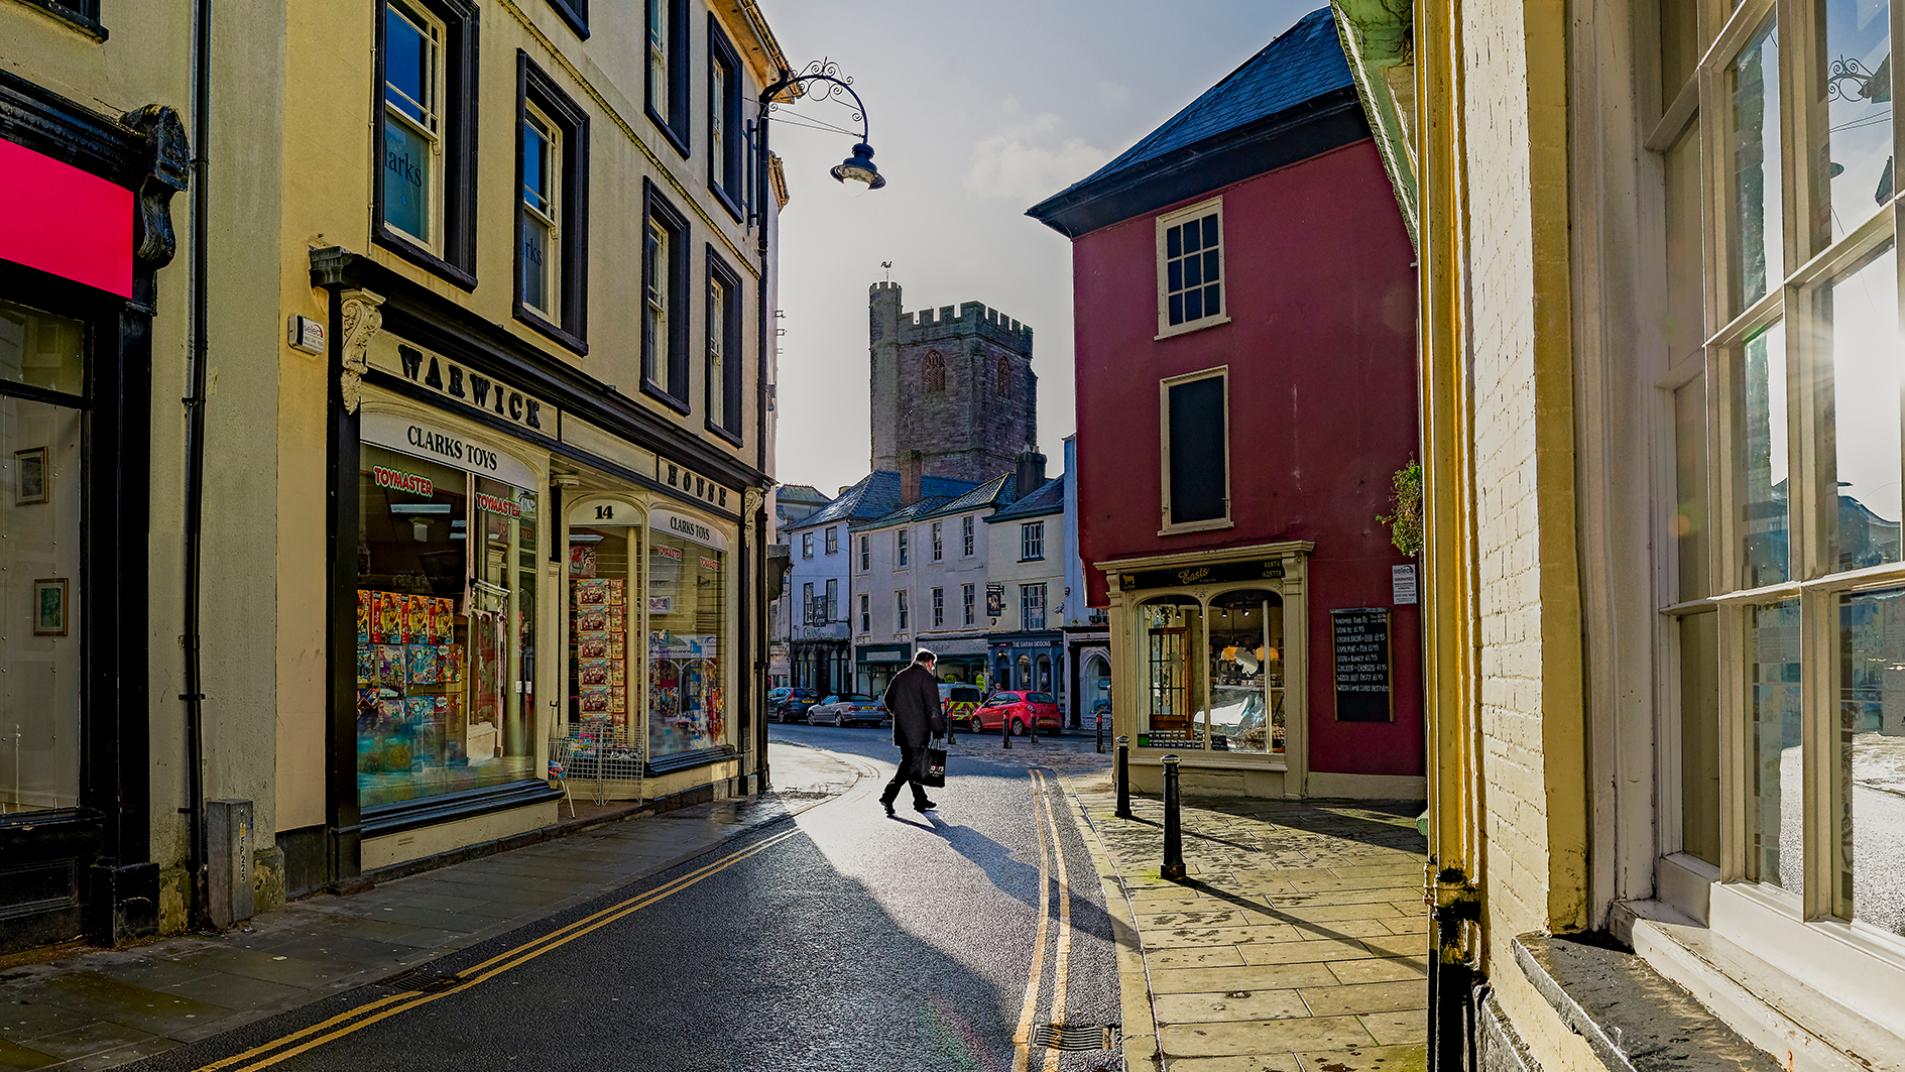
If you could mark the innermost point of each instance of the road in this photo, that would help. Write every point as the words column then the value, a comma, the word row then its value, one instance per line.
column 839, row 940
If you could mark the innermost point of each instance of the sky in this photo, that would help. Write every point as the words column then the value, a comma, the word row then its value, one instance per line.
column 977, row 111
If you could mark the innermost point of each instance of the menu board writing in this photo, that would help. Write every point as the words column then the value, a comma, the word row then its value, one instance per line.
column 1361, row 644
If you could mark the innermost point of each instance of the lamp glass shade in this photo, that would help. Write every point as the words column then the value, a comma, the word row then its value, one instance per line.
column 859, row 168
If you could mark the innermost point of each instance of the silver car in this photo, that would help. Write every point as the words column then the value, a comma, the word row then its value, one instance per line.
column 847, row 710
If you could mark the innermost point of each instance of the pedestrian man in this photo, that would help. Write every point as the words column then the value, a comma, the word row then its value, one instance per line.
column 913, row 700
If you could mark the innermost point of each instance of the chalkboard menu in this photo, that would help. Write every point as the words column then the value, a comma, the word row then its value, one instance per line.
column 1361, row 641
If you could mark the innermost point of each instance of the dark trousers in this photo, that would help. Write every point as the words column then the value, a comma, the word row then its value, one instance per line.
column 910, row 760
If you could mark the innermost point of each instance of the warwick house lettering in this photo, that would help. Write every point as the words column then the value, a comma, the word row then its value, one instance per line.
column 473, row 389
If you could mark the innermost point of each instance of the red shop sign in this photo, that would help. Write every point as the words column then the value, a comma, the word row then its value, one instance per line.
column 59, row 219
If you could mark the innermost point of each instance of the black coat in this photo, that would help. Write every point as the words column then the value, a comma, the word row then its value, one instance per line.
column 913, row 701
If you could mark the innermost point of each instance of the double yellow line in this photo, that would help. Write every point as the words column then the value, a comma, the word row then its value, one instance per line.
column 1050, row 850
column 363, row 1016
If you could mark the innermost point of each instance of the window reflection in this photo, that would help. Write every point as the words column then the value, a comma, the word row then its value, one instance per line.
column 1776, row 803
column 1763, row 486
column 1753, row 81
column 1855, row 91
column 1871, row 767
column 1168, row 674
column 1859, row 314
column 1245, row 652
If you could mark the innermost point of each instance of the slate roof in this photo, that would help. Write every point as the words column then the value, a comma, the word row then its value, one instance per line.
column 1000, row 489
column 878, row 494
column 1049, row 498
column 801, row 493
column 1303, row 63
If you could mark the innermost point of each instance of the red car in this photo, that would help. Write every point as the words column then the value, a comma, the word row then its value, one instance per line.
column 1017, row 708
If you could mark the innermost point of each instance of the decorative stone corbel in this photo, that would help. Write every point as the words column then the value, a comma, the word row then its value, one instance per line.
column 751, row 502
column 362, row 319
column 167, row 163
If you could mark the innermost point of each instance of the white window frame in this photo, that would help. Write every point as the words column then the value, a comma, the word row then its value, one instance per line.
column 902, row 549
column 969, row 594
column 657, row 243
column 833, row 539
column 1031, row 598
column 939, row 542
column 965, row 533
column 659, row 74
column 718, row 297
column 807, row 545
column 1169, row 527
column 833, row 599
column 866, row 553
column 939, row 607
column 430, row 128
column 1032, row 541
column 549, row 215
column 1176, row 218
column 902, row 617
column 866, row 613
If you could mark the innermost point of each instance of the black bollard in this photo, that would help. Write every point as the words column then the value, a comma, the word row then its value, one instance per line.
column 1173, row 868
column 1124, row 777
column 1005, row 733
column 1100, row 721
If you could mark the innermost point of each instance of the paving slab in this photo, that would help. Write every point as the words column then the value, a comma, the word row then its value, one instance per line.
column 1298, row 943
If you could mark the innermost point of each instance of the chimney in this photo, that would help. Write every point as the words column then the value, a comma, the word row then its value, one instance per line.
column 1031, row 471
column 910, row 465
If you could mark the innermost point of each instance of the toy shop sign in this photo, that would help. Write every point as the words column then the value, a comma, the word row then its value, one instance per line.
column 682, row 526
column 422, row 439
column 459, row 384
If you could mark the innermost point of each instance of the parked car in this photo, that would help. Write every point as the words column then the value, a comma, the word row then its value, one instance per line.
column 790, row 704
column 847, row 710
column 1018, row 708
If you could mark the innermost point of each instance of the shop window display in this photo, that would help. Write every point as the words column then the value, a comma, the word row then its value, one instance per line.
column 445, row 630
column 603, row 570
column 41, row 527
column 1246, row 672
column 686, row 625
column 1169, row 674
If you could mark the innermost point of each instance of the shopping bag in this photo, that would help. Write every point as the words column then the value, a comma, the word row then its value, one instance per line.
column 932, row 766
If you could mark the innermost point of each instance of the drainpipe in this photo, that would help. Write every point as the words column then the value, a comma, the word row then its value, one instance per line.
column 194, row 694
column 763, row 190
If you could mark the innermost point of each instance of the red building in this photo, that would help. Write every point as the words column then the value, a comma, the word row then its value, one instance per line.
column 1244, row 293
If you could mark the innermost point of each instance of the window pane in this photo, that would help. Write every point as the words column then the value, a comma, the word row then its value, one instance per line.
column 1685, row 327
column 1246, row 672
column 1211, row 304
column 1775, row 796
column 1193, row 271
column 686, row 614
column 1210, row 232
column 1700, row 737
column 535, row 263
column 537, row 167
column 1210, row 266
column 1197, row 449
column 42, row 672
column 1859, row 314
column 1871, row 767
column 1690, row 484
column 1174, row 272
column 1193, row 304
column 409, row 171
column 1192, row 238
column 1855, row 97
column 42, row 350
column 1177, row 308
column 1757, row 255
column 1762, row 466
column 409, row 70
column 1168, row 680
column 1173, row 241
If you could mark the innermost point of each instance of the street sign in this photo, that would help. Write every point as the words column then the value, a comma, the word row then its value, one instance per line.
column 1402, row 584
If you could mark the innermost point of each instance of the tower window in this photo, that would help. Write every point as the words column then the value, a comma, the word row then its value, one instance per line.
column 1003, row 378
column 935, row 372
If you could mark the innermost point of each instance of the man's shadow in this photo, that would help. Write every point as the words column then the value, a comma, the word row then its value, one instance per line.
column 1015, row 878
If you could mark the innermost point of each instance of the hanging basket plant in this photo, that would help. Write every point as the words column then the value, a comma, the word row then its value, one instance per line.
column 1405, row 520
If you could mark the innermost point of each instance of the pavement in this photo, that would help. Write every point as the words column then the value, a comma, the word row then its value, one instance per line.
column 1297, row 943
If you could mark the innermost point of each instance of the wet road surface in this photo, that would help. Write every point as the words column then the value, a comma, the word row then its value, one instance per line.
column 838, row 940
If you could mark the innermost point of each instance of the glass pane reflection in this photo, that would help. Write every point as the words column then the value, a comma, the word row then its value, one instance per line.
column 1859, row 312
column 1871, row 767
column 1775, row 796
column 1757, row 255
column 1855, row 90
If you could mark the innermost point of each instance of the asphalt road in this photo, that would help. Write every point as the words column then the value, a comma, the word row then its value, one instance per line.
column 839, row 940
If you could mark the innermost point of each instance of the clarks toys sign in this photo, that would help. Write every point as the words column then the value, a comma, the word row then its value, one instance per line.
column 460, row 385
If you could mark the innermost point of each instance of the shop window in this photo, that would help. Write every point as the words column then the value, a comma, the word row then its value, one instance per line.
column 1170, row 673
column 939, row 542
column 939, row 607
column 425, row 190
column 552, row 213
column 967, row 597
column 1190, row 268
column 1196, row 451
column 1031, row 606
column 1031, row 541
column 723, row 333
column 965, row 536
column 687, row 636
column 42, row 526
column 664, row 300
column 724, row 120
column 446, row 603
column 605, row 583
column 667, row 70
column 1245, row 649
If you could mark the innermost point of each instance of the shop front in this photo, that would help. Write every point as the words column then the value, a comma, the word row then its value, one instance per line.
column 538, row 611
column 961, row 659
column 1208, row 663
column 1030, row 660
column 878, row 663
column 84, row 229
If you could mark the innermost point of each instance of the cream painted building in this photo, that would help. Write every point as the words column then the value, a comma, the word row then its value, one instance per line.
column 484, row 443
column 1661, row 365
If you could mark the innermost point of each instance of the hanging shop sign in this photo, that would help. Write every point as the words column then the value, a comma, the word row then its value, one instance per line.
column 459, row 385
column 1360, row 638
column 1214, row 573
column 64, row 221
column 424, row 439
column 995, row 600
column 687, row 527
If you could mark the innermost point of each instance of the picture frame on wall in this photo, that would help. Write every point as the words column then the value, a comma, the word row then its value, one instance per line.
column 32, row 477
column 49, row 606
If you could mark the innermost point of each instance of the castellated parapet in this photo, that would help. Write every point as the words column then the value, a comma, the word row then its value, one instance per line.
column 954, row 384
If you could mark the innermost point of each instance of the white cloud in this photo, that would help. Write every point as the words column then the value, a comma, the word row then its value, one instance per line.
column 1031, row 160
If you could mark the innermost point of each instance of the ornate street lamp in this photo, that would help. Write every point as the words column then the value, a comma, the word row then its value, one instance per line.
column 859, row 166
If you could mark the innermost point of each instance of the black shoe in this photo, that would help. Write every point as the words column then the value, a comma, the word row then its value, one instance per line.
column 888, row 805
column 925, row 805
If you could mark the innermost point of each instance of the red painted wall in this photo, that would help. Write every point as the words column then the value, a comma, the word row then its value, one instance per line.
column 1321, row 349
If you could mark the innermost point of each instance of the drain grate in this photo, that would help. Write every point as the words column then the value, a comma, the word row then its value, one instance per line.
column 1076, row 1038
column 421, row 980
